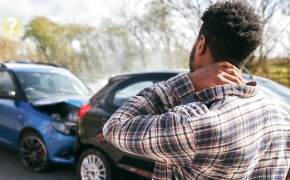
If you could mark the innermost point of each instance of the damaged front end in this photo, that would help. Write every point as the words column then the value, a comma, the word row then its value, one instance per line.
column 64, row 112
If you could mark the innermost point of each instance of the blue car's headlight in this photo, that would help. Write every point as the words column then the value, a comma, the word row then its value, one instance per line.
column 64, row 127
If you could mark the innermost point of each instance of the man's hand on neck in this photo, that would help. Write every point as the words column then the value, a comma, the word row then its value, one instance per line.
column 215, row 74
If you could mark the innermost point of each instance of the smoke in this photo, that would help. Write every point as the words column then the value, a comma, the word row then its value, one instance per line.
column 98, row 85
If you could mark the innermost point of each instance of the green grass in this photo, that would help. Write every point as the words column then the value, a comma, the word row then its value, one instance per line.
column 278, row 73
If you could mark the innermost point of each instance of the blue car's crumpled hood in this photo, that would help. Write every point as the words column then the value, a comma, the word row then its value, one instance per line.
column 77, row 101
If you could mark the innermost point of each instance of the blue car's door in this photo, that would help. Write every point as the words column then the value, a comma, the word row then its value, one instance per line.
column 9, row 114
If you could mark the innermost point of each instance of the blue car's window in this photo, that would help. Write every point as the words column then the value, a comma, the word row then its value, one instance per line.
column 6, row 81
column 44, row 85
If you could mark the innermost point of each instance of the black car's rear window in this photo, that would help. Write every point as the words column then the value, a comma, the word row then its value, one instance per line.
column 100, row 94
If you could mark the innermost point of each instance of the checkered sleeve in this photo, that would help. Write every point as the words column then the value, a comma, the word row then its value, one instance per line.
column 143, row 125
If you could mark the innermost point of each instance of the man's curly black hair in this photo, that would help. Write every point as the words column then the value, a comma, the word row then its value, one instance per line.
column 233, row 31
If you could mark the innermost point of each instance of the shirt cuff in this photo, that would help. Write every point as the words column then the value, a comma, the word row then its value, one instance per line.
column 181, row 86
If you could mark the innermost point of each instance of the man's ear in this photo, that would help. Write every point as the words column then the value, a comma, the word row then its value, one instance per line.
column 201, row 46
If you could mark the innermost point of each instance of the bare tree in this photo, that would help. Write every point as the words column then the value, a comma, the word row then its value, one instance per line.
column 273, row 32
column 129, row 15
column 286, row 62
column 186, row 16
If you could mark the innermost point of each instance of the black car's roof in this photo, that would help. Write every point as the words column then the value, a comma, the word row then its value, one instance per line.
column 248, row 77
column 152, row 72
column 129, row 75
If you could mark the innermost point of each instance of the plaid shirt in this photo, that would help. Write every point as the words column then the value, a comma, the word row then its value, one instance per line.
column 231, row 132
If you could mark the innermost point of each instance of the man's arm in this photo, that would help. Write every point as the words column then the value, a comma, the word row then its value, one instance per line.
column 142, row 126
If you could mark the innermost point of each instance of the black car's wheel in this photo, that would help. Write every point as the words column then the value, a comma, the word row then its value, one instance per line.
column 92, row 165
column 33, row 152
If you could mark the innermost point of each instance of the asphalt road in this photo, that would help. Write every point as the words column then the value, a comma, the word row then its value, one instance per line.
column 11, row 168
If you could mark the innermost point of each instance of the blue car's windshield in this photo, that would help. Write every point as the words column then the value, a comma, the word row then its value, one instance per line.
column 45, row 85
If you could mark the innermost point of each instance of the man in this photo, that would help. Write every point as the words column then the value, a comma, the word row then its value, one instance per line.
column 233, row 131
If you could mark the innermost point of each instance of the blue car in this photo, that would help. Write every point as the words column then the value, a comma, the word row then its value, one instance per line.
column 39, row 111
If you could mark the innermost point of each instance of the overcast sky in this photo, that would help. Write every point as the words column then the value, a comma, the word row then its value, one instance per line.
column 84, row 11
column 57, row 10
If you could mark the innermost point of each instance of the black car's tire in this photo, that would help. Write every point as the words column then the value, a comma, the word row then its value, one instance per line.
column 33, row 152
column 93, row 163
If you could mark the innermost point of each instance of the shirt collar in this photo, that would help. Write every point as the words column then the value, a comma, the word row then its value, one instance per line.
column 217, row 93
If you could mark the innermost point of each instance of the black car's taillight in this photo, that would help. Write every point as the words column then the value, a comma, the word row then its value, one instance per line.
column 84, row 110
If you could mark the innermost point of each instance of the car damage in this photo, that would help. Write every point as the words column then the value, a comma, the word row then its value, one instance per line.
column 64, row 112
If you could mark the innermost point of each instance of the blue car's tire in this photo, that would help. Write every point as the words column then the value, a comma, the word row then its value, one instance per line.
column 92, row 164
column 33, row 152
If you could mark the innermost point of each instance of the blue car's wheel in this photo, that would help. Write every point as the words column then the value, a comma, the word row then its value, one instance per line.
column 33, row 152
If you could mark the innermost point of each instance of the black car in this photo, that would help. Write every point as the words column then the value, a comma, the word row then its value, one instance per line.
column 98, row 159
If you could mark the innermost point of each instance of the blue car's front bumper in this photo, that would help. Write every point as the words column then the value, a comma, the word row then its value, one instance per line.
column 59, row 146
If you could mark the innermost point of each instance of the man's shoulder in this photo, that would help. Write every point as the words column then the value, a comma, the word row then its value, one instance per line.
column 272, row 105
column 275, row 102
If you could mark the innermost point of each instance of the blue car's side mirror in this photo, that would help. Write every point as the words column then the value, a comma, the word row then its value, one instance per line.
column 7, row 94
